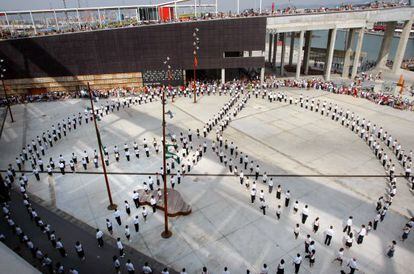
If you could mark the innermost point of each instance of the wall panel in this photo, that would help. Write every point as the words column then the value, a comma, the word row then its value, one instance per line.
column 135, row 49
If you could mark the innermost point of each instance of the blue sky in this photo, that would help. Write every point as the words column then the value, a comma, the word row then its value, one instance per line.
column 224, row 5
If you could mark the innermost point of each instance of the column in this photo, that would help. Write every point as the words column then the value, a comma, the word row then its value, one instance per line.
column 100, row 19
column 33, row 23
column 56, row 21
column 223, row 76
column 300, row 48
column 274, row 50
column 175, row 10
column 292, row 47
column 79, row 20
column 386, row 44
column 402, row 45
column 282, row 58
column 270, row 47
column 330, row 53
column 348, row 53
column 306, row 54
column 357, row 53
column 7, row 19
column 262, row 74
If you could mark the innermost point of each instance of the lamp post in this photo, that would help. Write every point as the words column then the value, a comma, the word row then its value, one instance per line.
column 2, row 72
column 196, row 42
column 166, row 233
column 111, row 205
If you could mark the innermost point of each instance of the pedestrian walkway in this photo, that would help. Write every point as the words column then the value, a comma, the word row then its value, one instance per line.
column 98, row 260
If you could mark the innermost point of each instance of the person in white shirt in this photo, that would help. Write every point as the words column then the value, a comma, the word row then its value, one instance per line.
column 146, row 269
column 120, row 247
column 151, row 183
column 135, row 198
column 296, row 262
column 130, row 267
column 349, row 240
column 270, row 183
column 226, row 271
column 127, row 233
column 252, row 195
column 361, row 234
column 144, row 213
column 153, row 203
column 316, row 225
column 261, row 195
column 73, row 271
column 117, row 215
column 329, row 234
column 278, row 212
column 287, row 198
column 348, row 225
column 305, row 214
column 165, row 271
column 296, row 231
column 99, row 237
column 340, row 256
column 263, row 206
column 109, row 226
column 265, row 269
column 183, row 271
column 281, row 267
column 353, row 265
column 79, row 250
column 295, row 207
column 60, row 248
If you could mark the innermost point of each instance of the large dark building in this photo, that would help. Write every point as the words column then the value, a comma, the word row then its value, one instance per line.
column 132, row 57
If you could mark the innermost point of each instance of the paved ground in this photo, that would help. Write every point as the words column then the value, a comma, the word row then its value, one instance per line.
column 224, row 228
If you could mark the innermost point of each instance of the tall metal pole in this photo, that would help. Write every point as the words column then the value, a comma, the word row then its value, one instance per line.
column 111, row 206
column 2, row 75
column 195, row 80
column 166, row 233
column 7, row 100
column 195, row 61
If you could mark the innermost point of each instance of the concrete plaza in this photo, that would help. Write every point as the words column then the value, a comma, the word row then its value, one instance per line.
column 224, row 228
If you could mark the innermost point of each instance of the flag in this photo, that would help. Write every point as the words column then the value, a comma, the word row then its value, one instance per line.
column 273, row 7
column 195, row 61
column 169, row 154
column 401, row 83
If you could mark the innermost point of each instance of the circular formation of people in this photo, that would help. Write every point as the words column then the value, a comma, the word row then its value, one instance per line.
column 33, row 162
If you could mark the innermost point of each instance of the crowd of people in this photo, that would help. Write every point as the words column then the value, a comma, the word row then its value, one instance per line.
column 355, row 88
column 129, row 22
column 190, row 148
column 64, row 95
column 228, row 155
